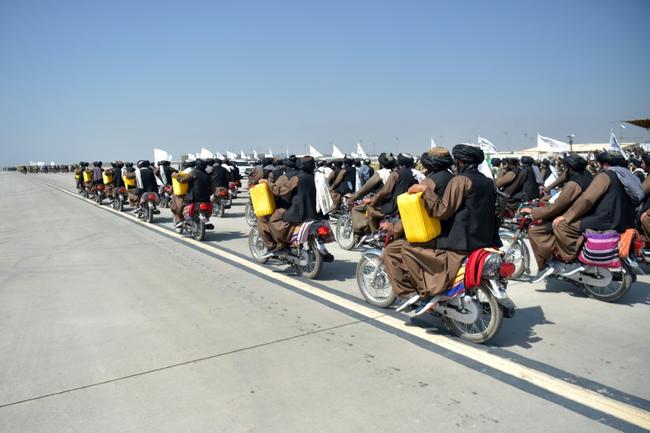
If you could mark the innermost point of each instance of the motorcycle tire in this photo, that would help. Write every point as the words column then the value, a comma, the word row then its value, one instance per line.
column 251, row 219
column 221, row 210
column 257, row 248
column 199, row 233
column 315, row 265
column 344, row 234
column 620, row 285
column 149, row 215
column 382, row 296
column 472, row 332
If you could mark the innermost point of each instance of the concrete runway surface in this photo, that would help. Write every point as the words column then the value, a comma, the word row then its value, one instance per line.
column 112, row 325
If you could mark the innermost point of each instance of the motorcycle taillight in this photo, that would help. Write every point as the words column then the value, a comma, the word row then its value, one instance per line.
column 205, row 207
column 323, row 231
column 152, row 196
column 506, row 269
column 223, row 193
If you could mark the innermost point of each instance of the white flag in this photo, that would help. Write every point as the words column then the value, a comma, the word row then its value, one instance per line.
column 191, row 157
column 546, row 144
column 205, row 153
column 314, row 153
column 52, row 164
column 231, row 155
column 433, row 143
column 360, row 151
column 242, row 155
column 161, row 155
column 219, row 155
column 486, row 145
column 270, row 154
column 615, row 145
column 336, row 152
column 255, row 154
column 354, row 155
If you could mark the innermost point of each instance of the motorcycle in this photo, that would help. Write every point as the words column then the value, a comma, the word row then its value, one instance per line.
column 219, row 200
column 165, row 195
column 232, row 187
column 119, row 198
column 512, row 234
column 100, row 193
column 608, row 284
column 196, row 221
column 474, row 315
column 307, row 251
column 147, row 207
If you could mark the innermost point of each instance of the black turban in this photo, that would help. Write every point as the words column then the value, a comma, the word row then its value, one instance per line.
column 405, row 159
column 496, row 162
column 307, row 163
column 646, row 157
column 436, row 161
column 467, row 153
column 201, row 164
column 575, row 162
column 527, row 160
column 387, row 160
column 612, row 158
column 290, row 163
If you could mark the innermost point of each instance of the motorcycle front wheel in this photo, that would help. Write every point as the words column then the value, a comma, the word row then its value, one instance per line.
column 377, row 291
column 619, row 286
column 255, row 244
column 344, row 233
column 251, row 219
column 488, row 322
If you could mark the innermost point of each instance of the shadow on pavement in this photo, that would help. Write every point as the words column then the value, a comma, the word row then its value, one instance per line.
column 639, row 292
column 339, row 270
column 216, row 235
column 520, row 330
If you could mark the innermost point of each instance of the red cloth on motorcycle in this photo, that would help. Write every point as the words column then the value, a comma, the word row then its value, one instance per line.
column 474, row 269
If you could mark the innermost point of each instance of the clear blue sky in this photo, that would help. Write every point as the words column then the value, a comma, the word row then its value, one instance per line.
column 112, row 79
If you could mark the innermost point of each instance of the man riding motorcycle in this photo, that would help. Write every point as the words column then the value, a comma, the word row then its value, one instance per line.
column 607, row 204
column 468, row 211
column 343, row 184
column 437, row 163
column 300, row 192
column 384, row 203
column 200, row 189
column 541, row 235
column 387, row 162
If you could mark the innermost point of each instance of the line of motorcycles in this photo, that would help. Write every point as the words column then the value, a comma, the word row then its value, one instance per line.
column 196, row 215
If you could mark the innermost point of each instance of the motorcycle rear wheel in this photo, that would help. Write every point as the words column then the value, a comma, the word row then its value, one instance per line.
column 199, row 233
column 149, row 214
column 482, row 330
column 256, row 246
column 344, row 233
column 619, row 286
column 380, row 294
column 313, row 268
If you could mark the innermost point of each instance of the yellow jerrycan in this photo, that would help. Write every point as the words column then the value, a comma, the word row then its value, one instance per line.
column 262, row 199
column 418, row 225
column 129, row 183
column 107, row 178
column 178, row 187
column 88, row 176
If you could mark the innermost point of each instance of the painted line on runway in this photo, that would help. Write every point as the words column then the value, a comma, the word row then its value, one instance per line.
column 570, row 391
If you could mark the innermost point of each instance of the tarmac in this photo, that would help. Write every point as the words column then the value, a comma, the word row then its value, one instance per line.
column 108, row 324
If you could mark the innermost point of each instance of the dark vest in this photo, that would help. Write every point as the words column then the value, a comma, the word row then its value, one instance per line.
column 149, row 183
column 117, row 178
column 200, row 188
column 441, row 179
column 473, row 226
column 303, row 202
column 219, row 177
column 404, row 181
column 614, row 211
column 582, row 179
column 348, row 182
column 530, row 187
